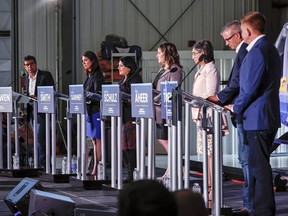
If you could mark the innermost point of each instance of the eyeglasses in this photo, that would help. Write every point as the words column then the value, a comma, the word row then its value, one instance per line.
column 228, row 39
column 29, row 64
column 195, row 53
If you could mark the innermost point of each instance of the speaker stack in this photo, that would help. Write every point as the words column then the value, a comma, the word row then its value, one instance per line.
column 18, row 199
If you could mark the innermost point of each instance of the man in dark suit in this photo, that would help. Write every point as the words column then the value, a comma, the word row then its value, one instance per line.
column 34, row 78
column 231, row 34
column 258, row 102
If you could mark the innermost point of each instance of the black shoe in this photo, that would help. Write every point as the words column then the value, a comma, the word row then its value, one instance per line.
column 241, row 212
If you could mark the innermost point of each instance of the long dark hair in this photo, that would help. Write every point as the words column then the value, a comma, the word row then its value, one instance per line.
column 129, row 62
column 92, row 56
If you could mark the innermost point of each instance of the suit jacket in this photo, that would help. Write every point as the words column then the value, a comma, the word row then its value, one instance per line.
column 93, row 84
column 258, row 99
column 166, row 76
column 44, row 78
column 229, row 93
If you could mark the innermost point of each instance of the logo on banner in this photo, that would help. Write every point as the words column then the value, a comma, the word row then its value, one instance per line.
column 142, row 100
column 76, row 99
column 6, row 99
column 166, row 102
column 282, row 45
column 110, row 100
column 110, row 97
column 46, row 99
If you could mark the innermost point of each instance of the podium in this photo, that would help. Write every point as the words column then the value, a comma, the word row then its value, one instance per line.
column 77, row 100
column 218, row 208
column 143, row 110
column 112, row 106
column 9, row 103
column 47, row 105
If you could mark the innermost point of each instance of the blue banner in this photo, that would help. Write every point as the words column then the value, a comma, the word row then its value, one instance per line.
column 46, row 100
column 282, row 46
column 6, row 100
column 142, row 100
column 76, row 99
column 166, row 98
column 111, row 100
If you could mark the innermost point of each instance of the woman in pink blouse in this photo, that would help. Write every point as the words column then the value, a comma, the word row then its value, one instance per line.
column 206, row 83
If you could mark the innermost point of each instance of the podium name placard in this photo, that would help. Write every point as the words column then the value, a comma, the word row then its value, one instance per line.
column 110, row 100
column 142, row 100
column 166, row 101
column 77, row 99
column 6, row 99
column 46, row 99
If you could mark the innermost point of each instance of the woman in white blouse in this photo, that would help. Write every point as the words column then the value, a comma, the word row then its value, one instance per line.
column 206, row 83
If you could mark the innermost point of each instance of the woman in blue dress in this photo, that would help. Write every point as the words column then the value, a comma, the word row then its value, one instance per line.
column 93, row 83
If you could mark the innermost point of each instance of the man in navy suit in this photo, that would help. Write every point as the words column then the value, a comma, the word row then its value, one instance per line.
column 231, row 34
column 34, row 78
column 258, row 102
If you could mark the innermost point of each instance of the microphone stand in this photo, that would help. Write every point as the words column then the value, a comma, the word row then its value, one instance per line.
column 177, row 182
column 27, row 142
column 157, row 97
column 22, row 75
column 201, row 58
column 58, row 81
column 176, row 99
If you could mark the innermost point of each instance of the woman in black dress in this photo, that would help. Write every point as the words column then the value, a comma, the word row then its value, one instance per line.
column 128, row 69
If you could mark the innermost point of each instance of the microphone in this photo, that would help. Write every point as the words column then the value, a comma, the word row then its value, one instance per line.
column 64, row 75
column 106, row 77
column 201, row 58
column 172, row 70
column 22, row 75
column 138, row 70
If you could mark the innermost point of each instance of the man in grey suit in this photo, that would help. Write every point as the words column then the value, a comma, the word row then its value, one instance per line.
column 34, row 78
column 232, row 36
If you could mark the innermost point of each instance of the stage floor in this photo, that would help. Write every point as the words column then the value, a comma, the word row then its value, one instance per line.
column 107, row 199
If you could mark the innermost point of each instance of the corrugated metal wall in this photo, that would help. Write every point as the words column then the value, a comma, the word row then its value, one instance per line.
column 37, row 32
column 148, row 22
column 5, row 42
column 145, row 23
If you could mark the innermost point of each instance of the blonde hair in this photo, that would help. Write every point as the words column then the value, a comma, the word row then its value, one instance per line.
column 255, row 20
